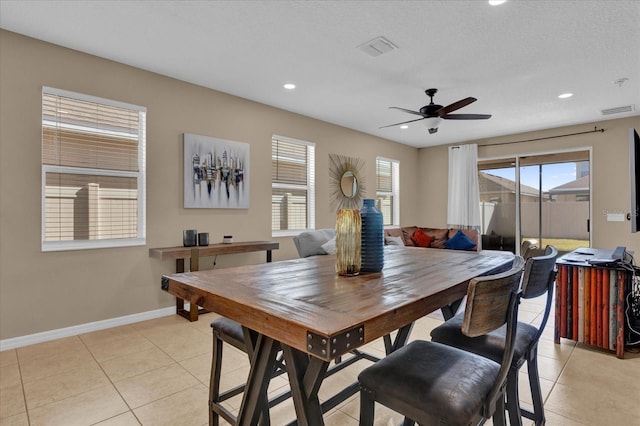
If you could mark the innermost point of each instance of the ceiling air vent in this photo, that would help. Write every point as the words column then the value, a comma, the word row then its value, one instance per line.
column 377, row 46
column 618, row 110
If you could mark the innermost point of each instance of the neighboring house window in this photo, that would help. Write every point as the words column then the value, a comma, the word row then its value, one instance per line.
column 387, row 190
column 93, row 172
column 292, row 185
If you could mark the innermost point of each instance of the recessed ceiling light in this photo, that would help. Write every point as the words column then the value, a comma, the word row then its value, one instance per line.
column 289, row 86
column 496, row 2
column 404, row 126
column 565, row 95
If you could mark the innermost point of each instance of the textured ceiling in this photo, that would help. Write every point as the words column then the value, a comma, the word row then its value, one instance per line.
column 515, row 58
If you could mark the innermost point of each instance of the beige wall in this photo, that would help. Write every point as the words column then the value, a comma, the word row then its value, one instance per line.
column 609, row 170
column 47, row 291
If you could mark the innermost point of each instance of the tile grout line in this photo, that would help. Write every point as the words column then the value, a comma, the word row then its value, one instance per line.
column 24, row 395
column 112, row 384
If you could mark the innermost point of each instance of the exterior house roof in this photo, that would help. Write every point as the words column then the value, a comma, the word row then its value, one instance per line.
column 578, row 186
column 489, row 183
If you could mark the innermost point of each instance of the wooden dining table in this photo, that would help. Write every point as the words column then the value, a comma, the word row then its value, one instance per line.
column 314, row 316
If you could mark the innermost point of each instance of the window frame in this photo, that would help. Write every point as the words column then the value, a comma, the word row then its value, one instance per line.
column 395, row 190
column 309, row 187
column 140, row 176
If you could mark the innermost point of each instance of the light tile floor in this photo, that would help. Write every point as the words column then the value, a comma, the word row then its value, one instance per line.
column 157, row 373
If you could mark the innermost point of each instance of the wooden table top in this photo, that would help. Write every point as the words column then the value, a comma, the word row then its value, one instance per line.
column 180, row 252
column 292, row 301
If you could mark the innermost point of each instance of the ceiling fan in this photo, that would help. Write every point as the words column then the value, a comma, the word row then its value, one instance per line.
column 434, row 112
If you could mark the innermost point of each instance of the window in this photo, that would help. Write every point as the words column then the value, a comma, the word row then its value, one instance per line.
column 93, row 172
column 387, row 190
column 292, row 186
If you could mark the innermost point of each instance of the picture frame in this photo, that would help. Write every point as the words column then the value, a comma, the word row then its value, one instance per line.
column 216, row 173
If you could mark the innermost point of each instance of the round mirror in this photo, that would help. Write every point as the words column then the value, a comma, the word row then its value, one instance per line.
column 349, row 185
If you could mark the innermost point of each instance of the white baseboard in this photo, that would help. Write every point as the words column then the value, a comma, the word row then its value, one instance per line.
column 45, row 336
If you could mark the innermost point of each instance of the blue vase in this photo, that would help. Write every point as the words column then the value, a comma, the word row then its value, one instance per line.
column 372, row 247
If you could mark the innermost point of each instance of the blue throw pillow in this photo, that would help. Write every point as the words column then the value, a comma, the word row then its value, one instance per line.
column 459, row 241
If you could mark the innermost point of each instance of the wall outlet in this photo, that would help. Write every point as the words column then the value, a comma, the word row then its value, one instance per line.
column 615, row 217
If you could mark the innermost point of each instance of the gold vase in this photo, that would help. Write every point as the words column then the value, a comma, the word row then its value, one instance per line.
column 348, row 240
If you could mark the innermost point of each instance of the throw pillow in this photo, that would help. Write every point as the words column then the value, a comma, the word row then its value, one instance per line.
column 439, row 236
column 330, row 246
column 393, row 241
column 460, row 242
column 407, row 233
column 421, row 239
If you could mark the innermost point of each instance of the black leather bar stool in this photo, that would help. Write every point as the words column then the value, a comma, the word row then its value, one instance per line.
column 434, row 384
column 538, row 278
column 228, row 331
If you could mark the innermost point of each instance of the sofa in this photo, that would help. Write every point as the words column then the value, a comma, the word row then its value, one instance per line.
column 442, row 238
column 322, row 241
column 315, row 242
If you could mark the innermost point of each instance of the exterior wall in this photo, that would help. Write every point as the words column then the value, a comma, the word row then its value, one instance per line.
column 47, row 291
column 558, row 219
column 609, row 174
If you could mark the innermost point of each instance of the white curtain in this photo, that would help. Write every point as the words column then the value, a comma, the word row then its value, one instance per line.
column 463, row 209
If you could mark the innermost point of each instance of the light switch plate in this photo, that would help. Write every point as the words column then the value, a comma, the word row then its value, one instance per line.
column 615, row 217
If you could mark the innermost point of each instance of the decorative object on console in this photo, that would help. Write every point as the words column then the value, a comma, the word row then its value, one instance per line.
column 372, row 247
column 347, row 189
column 203, row 239
column 190, row 237
column 227, row 239
column 348, row 240
column 216, row 173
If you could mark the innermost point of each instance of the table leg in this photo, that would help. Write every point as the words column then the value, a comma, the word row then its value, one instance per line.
column 194, row 310
column 401, row 339
column 449, row 311
column 306, row 374
column 263, row 360
column 268, row 256
column 180, row 302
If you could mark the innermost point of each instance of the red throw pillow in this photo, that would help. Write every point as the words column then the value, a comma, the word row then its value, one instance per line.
column 421, row 239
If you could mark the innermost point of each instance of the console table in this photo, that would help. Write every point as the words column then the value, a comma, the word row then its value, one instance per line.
column 590, row 300
column 180, row 253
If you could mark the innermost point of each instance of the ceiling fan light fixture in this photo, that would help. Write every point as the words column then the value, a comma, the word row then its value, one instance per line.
column 432, row 123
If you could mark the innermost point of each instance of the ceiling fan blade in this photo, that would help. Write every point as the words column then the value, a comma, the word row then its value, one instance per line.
column 408, row 110
column 456, row 105
column 466, row 116
column 404, row 122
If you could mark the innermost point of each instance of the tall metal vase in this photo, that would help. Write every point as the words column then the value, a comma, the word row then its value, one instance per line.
column 348, row 240
column 372, row 237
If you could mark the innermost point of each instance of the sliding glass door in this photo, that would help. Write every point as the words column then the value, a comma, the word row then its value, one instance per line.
column 541, row 198
column 498, row 204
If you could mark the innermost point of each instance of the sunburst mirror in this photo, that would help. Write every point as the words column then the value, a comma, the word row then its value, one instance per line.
column 346, row 182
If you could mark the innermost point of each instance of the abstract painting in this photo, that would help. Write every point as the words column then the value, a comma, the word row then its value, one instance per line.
column 216, row 173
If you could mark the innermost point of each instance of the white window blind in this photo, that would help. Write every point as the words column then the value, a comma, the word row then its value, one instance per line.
column 387, row 189
column 292, row 185
column 93, row 172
